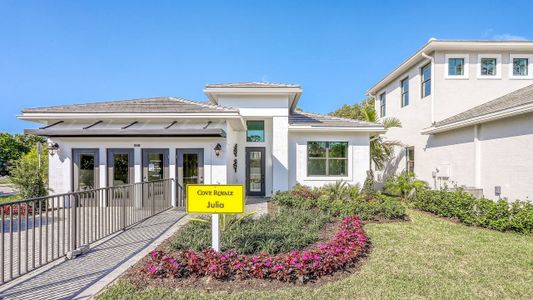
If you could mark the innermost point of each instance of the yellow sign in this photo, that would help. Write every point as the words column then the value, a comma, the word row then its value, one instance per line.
column 215, row 198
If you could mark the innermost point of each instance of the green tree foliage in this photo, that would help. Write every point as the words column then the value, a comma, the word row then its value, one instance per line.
column 381, row 149
column 13, row 147
column 30, row 179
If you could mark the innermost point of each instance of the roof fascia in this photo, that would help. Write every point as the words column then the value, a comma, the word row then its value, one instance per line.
column 481, row 119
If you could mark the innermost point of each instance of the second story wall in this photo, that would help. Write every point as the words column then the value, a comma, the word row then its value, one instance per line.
column 455, row 94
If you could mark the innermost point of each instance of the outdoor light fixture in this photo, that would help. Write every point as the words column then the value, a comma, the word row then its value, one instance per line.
column 52, row 148
column 218, row 149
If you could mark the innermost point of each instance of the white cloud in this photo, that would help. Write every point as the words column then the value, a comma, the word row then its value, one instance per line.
column 509, row 37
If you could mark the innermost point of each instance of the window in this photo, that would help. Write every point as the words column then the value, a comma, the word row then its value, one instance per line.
column 327, row 158
column 405, row 91
column 255, row 131
column 520, row 66
column 456, row 66
column 382, row 105
column 425, row 74
column 410, row 159
column 488, row 66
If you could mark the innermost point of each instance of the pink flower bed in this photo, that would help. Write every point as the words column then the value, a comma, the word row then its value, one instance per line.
column 342, row 251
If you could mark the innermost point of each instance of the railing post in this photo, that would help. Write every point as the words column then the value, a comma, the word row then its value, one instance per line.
column 73, row 221
column 124, row 196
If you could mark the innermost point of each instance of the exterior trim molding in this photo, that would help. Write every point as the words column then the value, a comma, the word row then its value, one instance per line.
column 373, row 129
column 481, row 119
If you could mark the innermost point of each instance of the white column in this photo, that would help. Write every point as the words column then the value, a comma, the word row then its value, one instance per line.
column 280, row 153
column 137, row 161
column 102, row 153
column 172, row 174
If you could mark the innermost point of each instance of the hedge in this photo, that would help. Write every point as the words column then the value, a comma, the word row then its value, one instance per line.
column 500, row 215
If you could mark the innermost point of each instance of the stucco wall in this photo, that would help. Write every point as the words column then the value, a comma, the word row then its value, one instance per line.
column 502, row 158
column 454, row 96
column 60, row 164
column 507, row 157
column 358, row 157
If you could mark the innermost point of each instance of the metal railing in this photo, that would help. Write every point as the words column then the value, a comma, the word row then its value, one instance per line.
column 38, row 231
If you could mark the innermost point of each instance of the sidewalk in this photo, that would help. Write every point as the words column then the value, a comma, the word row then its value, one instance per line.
column 82, row 277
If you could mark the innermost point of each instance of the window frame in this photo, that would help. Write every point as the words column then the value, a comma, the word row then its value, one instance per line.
column 529, row 66
column 408, row 151
column 498, row 58
column 404, row 93
column 264, row 131
column 327, row 159
column 425, row 82
column 382, row 105
column 465, row 58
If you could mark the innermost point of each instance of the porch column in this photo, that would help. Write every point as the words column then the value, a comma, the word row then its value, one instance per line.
column 280, row 155
column 172, row 175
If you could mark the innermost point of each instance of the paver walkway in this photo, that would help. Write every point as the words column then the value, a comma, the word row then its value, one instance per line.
column 69, row 278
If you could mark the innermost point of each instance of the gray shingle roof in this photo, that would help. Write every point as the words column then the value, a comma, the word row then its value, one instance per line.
column 514, row 99
column 317, row 120
column 252, row 85
column 145, row 105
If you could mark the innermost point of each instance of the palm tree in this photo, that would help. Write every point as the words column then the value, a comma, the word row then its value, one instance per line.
column 381, row 149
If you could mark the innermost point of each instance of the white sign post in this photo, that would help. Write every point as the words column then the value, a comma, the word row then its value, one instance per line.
column 215, row 199
column 215, row 232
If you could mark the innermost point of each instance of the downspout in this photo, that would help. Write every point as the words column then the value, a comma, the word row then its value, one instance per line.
column 432, row 59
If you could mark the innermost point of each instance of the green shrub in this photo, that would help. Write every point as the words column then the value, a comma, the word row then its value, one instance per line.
column 404, row 185
column 335, row 200
column 282, row 232
column 27, row 177
column 499, row 215
column 368, row 186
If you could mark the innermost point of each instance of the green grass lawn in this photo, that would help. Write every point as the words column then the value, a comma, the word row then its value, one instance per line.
column 425, row 258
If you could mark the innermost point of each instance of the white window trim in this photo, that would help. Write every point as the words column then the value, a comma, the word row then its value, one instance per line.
column 529, row 67
column 498, row 66
column 406, row 79
column 466, row 67
column 347, row 177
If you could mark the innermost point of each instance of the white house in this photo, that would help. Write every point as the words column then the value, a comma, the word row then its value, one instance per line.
column 467, row 113
column 247, row 133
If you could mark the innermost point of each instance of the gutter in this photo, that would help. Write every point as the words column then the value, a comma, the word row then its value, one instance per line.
column 481, row 119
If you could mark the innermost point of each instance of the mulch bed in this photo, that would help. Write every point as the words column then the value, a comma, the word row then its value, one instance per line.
column 141, row 280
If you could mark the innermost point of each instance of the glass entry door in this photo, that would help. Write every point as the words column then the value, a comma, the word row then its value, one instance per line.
column 255, row 171
column 155, row 164
column 86, row 162
column 119, row 166
column 190, row 166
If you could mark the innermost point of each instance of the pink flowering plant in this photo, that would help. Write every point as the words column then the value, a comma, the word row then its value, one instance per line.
column 343, row 250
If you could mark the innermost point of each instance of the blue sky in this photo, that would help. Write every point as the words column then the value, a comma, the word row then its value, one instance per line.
column 63, row 52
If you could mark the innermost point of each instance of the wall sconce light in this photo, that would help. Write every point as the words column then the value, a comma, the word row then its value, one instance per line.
column 218, row 149
column 53, row 148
